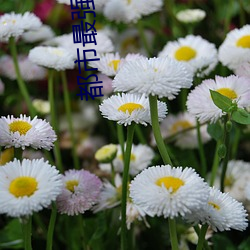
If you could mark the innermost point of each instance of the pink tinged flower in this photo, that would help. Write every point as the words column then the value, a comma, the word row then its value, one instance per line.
column 29, row 71
column 80, row 192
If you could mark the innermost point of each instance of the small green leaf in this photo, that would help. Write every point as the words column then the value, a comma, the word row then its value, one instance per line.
column 241, row 116
column 215, row 130
column 221, row 101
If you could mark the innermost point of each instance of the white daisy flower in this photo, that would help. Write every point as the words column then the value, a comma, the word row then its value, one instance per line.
column 103, row 43
column 28, row 186
column 50, row 57
column 110, row 195
column 29, row 71
column 42, row 34
column 200, row 103
column 156, row 76
column 221, row 212
column 26, row 132
column 236, row 179
column 243, row 69
column 133, row 213
column 14, row 25
column 141, row 157
column 191, row 15
column 174, row 124
column 128, row 108
column 169, row 192
column 235, row 49
column 197, row 53
column 130, row 11
column 111, row 63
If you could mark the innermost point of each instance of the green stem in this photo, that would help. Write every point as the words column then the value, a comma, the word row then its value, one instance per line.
column 173, row 235
column 205, row 244
column 226, row 158
column 202, row 237
column 27, row 229
column 120, row 136
column 215, row 164
column 242, row 14
column 50, row 233
column 203, row 169
column 127, row 155
column 21, row 84
column 82, row 226
column 53, row 120
column 156, row 130
column 69, row 118
column 236, row 142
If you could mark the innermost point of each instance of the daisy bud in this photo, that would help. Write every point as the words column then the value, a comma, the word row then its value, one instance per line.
column 106, row 154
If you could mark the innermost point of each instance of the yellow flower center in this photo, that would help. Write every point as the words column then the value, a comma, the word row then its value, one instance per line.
column 229, row 181
column 170, row 182
column 180, row 125
column 23, row 186
column 214, row 205
column 244, row 42
column 70, row 185
column 227, row 92
column 6, row 156
column 185, row 53
column 20, row 126
column 129, row 1
column 114, row 64
column 130, row 107
column 132, row 157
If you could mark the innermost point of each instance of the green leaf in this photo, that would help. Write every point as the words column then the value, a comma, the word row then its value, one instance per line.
column 215, row 130
column 222, row 102
column 241, row 116
column 11, row 236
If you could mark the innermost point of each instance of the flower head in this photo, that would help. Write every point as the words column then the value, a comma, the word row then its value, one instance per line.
column 141, row 157
column 183, row 127
column 235, row 49
column 51, row 57
column 80, row 192
column 26, row 132
column 200, row 103
column 42, row 34
column 28, row 186
column 169, row 192
column 128, row 108
column 196, row 53
column 221, row 212
column 106, row 153
column 14, row 25
column 111, row 63
column 103, row 43
column 110, row 195
column 29, row 71
column 191, row 15
column 130, row 11
column 156, row 76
